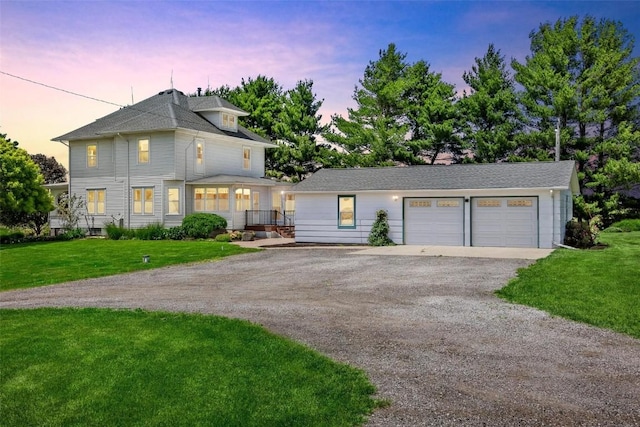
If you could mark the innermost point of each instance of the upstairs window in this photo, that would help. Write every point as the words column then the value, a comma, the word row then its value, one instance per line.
column 199, row 156
column 92, row 155
column 143, row 151
column 246, row 158
column 199, row 153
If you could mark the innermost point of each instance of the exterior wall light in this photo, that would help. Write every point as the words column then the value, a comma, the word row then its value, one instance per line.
column 395, row 198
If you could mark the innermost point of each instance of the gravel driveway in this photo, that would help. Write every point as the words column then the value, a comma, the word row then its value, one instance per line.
column 428, row 330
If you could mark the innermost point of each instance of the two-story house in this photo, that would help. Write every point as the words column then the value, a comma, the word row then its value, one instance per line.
column 168, row 156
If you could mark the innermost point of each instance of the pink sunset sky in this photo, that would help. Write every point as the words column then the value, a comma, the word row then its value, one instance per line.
column 109, row 50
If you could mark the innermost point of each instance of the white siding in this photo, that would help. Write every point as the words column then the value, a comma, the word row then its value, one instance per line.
column 78, row 158
column 317, row 218
column 317, row 214
column 161, row 156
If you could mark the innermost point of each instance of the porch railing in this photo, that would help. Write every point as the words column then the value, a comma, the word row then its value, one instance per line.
column 271, row 217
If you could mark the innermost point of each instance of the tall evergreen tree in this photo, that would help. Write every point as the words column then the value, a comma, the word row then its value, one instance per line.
column 432, row 116
column 288, row 118
column 490, row 111
column 374, row 132
column 299, row 153
column 583, row 75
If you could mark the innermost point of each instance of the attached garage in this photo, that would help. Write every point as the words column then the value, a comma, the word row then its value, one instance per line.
column 499, row 204
column 434, row 221
column 504, row 222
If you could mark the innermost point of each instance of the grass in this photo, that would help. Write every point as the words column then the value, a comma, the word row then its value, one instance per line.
column 598, row 287
column 28, row 265
column 97, row 367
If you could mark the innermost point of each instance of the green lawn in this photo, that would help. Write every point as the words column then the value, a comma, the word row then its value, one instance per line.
column 99, row 367
column 43, row 263
column 598, row 287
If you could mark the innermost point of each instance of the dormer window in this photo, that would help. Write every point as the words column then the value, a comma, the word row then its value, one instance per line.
column 229, row 121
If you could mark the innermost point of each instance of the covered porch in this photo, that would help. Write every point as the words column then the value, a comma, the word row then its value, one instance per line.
column 246, row 203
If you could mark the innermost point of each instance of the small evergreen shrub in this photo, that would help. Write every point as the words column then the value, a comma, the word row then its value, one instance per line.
column 579, row 234
column 154, row 231
column 225, row 237
column 202, row 225
column 379, row 235
column 627, row 225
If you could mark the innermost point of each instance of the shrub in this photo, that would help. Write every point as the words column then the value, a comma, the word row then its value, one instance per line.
column 202, row 225
column 627, row 225
column 10, row 236
column 580, row 234
column 175, row 233
column 76, row 233
column 114, row 232
column 154, row 231
column 379, row 235
column 225, row 237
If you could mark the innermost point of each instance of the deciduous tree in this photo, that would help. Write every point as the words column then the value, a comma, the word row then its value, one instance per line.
column 21, row 190
column 52, row 171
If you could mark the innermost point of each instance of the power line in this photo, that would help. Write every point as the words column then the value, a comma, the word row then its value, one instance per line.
column 102, row 100
column 59, row 89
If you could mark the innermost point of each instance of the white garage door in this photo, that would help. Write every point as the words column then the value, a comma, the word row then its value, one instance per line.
column 504, row 222
column 434, row 221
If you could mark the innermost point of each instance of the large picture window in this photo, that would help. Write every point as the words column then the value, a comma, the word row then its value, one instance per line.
column 92, row 155
column 143, row 151
column 346, row 211
column 211, row 199
column 143, row 201
column 96, row 202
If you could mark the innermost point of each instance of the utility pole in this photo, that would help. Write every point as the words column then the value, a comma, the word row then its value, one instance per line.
column 558, row 141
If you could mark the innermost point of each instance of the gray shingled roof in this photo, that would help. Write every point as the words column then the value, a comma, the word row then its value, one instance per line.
column 168, row 110
column 442, row 177
column 211, row 103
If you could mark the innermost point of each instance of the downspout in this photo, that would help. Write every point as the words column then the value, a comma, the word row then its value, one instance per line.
column 128, row 181
column 184, row 197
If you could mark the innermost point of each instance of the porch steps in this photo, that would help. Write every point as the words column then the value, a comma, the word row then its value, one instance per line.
column 286, row 231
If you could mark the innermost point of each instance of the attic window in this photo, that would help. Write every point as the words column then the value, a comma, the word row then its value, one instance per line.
column 228, row 121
